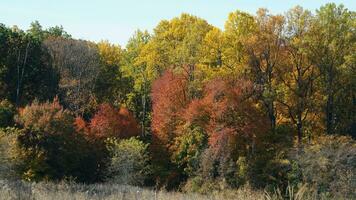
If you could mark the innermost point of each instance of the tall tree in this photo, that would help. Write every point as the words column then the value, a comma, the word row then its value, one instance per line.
column 264, row 49
column 139, row 71
column 78, row 62
column 297, row 74
column 26, row 69
column 111, row 86
column 239, row 27
column 332, row 41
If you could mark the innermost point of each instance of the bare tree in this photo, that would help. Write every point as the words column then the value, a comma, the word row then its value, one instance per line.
column 78, row 63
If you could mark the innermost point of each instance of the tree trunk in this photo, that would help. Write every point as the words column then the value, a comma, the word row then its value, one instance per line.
column 300, row 132
column 330, row 114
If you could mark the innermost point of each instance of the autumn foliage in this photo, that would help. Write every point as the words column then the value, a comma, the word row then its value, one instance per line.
column 226, row 114
column 169, row 98
column 109, row 122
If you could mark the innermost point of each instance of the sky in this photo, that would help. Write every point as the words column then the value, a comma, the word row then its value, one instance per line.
column 117, row 20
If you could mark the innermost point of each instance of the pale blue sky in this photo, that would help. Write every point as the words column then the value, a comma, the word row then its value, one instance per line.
column 116, row 20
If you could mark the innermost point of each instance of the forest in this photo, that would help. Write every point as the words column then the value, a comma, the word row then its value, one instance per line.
column 268, row 103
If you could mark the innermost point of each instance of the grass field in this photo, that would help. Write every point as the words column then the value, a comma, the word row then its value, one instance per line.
column 18, row 190
column 47, row 191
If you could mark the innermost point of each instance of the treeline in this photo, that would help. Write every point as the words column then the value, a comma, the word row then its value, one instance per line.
column 189, row 104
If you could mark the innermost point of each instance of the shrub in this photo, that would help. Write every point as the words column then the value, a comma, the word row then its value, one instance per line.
column 188, row 148
column 7, row 112
column 110, row 122
column 129, row 161
column 271, row 165
column 329, row 163
column 48, row 147
column 7, row 164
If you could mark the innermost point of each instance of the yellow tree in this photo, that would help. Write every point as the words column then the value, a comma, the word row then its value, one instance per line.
column 239, row 27
column 138, row 69
column 176, row 45
column 264, row 50
column 111, row 86
column 297, row 74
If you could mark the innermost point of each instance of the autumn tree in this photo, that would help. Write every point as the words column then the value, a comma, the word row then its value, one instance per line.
column 141, row 75
column 111, row 86
column 238, row 28
column 297, row 73
column 47, row 146
column 331, row 44
column 110, row 122
column 78, row 63
column 169, row 97
column 264, row 50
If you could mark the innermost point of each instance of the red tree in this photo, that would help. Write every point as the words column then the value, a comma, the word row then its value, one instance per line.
column 169, row 98
column 229, row 115
column 109, row 122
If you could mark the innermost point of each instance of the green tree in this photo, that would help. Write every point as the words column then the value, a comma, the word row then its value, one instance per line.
column 332, row 42
column 129, row 161
column 26, row 71
column 7, row 113
column 111, row 85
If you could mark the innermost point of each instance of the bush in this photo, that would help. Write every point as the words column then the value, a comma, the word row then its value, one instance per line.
column 48, row 147
column 188, row 148
column 271, row 165
column 129, row 161
column 329, row 163
column 6, row 162
column 7, row 112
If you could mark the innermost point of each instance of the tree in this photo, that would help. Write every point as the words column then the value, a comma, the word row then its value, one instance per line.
column 188, row 147
column 169, row 98
column 110, row 122
column 331, row 42
column 128, row 161
column 111, row 86
column 177, row 42
column 264, row 49
column 78, row 63
column 297, row 74
column 239, row 27
column 141, row 75
column 26, row 70
column 211, row 48
column 48, row 147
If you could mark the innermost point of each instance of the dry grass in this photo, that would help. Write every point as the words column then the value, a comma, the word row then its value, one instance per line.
column 18, row 190
column 48, row 191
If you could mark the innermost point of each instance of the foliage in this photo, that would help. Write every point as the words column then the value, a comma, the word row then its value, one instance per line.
column 128, row 161
column 78, row 63
column 48, row 148
column 111, row 85
column 7, row 112
column 169, row 96
column 26, row 71
column 111, row 122
column 188, row 148
column 329, row 164
column 217, row 109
